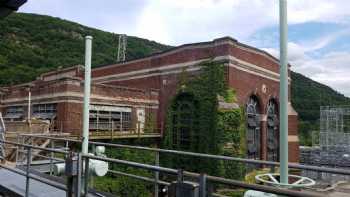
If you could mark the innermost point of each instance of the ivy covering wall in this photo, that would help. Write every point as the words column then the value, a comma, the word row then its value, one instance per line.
column 196, row 114
column 196, row 123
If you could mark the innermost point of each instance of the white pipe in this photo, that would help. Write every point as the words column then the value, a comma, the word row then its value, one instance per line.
column 87, row 89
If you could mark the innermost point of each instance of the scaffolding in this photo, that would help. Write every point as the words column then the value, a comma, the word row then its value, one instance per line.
column 331, row 144
column 334, row 128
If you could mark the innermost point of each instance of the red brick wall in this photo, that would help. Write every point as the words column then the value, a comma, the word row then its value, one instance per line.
column 245, row 84
column 69, row 117
column 293, row 131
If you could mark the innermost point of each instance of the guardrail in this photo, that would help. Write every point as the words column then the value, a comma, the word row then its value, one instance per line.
column 27, row 174
column 202, row 178
column 156, row 168
column 157, row 151
column 203, row 155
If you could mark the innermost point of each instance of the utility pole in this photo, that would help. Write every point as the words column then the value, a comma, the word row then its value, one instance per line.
column 283, row 92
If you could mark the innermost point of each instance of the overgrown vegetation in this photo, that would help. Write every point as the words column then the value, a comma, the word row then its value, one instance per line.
column 126, row 186
column 196, row 123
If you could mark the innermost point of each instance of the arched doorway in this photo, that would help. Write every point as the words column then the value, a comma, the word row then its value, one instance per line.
column 272, row 131
column 253, row 128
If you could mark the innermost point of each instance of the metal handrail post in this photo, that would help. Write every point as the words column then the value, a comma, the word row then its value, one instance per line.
column 52, row 155
column 29, row 161
column 180, row 175
column 79, row 176
column 67, row 148
column 70, row 180
column 156, row 176
column 203, row 185
column 86, row 177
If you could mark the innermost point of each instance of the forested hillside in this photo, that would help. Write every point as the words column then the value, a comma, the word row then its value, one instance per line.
column 309, row 95
column 32, row 44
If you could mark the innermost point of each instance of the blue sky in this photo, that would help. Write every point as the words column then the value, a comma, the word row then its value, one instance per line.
column 319, row 30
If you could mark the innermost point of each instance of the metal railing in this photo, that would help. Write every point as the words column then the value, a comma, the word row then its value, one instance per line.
column 209, row 156
column 27, row 173
column 202, row 178
column 156, row 168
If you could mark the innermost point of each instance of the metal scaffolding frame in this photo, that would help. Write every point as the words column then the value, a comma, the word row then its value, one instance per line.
column 334, row 127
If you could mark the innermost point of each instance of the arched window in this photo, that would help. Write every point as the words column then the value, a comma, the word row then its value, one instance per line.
column 253, row 128
column 183, row 121
column 272, row 131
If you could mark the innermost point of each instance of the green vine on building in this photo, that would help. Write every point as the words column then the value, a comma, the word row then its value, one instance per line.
column 197, row 122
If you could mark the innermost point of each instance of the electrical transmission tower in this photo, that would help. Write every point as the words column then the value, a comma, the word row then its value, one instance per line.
column 122, row 42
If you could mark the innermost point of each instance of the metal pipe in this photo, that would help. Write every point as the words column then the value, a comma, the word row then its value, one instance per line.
column 139, row 177
column 52, row 155
column 87, row 89
column 86, row 177
column 134, row 164
column 79, row 182
column 156, row 176
column 203, row 185
column 35, row 147
column 283, row 93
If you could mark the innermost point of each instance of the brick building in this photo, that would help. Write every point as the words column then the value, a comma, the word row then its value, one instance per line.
column 127, row 92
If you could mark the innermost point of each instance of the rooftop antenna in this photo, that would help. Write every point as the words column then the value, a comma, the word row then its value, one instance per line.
column 122, row 42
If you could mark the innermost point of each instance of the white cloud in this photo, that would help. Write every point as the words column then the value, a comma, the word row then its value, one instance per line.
column 296, row 53
column 302, row 11
column 331, row 69
column 335, row 69
column 184, row 21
